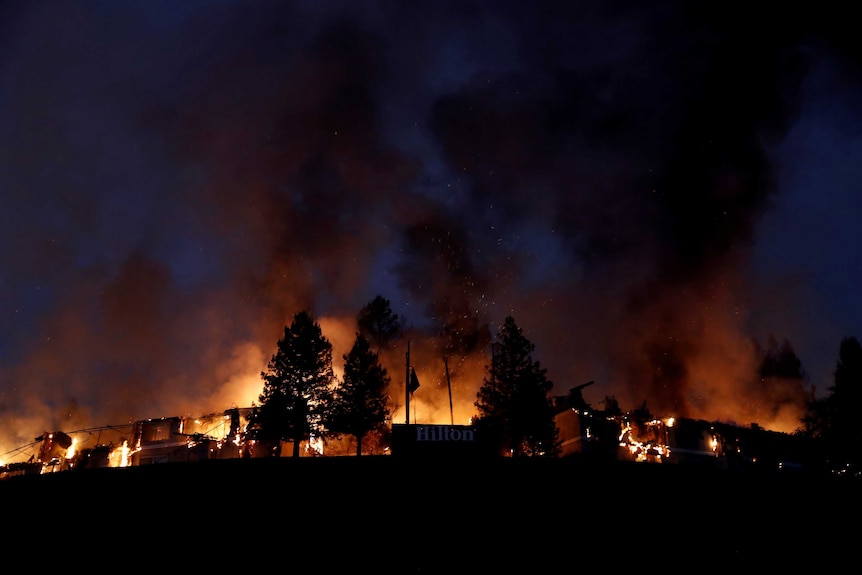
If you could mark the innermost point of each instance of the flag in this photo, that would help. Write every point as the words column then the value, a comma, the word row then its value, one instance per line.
column 414, row 381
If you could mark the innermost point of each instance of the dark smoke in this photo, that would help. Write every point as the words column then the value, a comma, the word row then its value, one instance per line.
column 179, row 181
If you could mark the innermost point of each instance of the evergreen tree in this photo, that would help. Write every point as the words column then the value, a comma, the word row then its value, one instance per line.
column 781, row 361
column 835, row 420
column 297, row 385
column 612, row 406
column 359, row 403
column 377, row 323
column 782, row 379
column 513, row 403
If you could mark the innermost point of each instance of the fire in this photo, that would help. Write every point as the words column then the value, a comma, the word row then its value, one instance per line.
column 120, row 457
column 646, row 441
column 314, row 446
column 70, row 452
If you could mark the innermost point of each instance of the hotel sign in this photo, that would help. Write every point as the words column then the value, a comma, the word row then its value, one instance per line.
column 443, row 433
column 436, row 440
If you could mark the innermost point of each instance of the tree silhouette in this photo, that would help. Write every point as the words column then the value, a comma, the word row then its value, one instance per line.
column 780, row 361
column 297, row 385
column 377, row 323
column 834, row 421
column 612, row 406
column 513, row 403
column 359, row 403
column 781, row 378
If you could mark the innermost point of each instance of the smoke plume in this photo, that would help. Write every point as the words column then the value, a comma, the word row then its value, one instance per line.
column 179, row 181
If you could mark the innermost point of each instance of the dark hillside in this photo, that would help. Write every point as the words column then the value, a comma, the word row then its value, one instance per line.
column 409, row 516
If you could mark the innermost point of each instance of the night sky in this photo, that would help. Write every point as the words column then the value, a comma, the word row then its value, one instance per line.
column 651, row 189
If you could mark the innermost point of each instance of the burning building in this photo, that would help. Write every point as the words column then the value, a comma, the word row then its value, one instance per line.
column 639, row 436
column 165, row 440
column 597, row 434
column 146, row 442
column 55, row 450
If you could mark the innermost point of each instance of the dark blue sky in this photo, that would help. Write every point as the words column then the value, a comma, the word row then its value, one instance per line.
column 648, row 188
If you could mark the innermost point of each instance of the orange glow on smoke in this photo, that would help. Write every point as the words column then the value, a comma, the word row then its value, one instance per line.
column 718, row 386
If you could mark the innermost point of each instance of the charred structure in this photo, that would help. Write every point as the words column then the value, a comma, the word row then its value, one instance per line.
column 639, row 436
column 585, row 433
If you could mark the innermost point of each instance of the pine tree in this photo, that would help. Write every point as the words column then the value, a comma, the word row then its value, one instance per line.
column 377, row 323
column 513, row 403
column 782, row 380
column 780, row 360
column 297, row 385
column 835, row 421
column 359, row 403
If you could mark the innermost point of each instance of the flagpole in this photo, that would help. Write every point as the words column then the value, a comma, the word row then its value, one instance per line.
column 407, row 384
column 449, row 385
